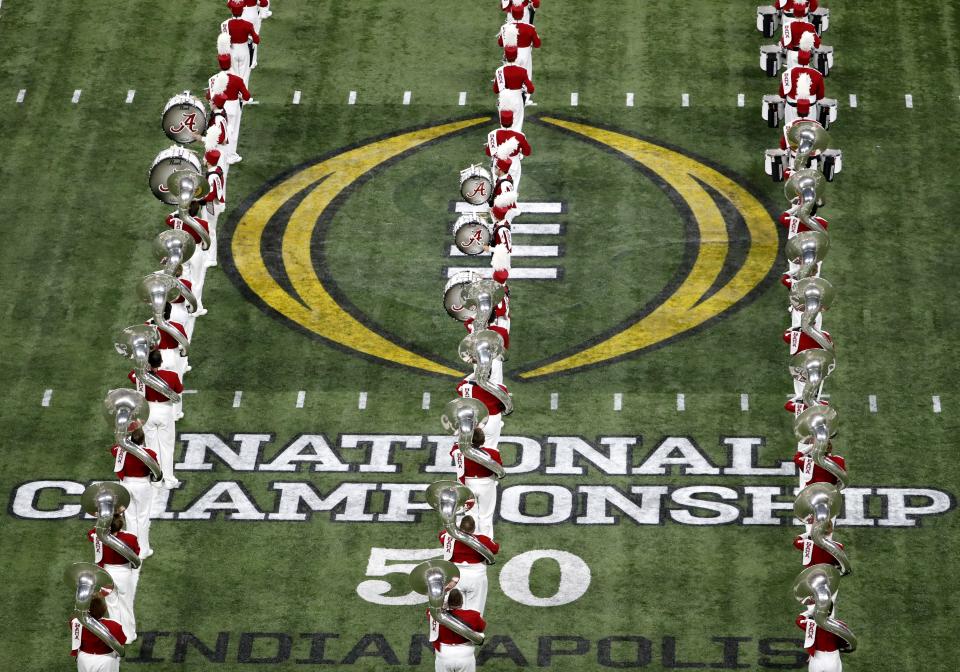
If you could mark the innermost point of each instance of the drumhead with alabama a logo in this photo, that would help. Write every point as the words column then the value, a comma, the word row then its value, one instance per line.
column 472, row 233
column 184, row 118
column 476, row 184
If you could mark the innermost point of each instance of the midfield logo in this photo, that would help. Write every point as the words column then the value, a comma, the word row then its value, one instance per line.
column 276, row 234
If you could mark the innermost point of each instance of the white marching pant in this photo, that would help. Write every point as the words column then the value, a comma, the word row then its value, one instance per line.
column 485, row 490
column 455, row 658
column 252, row 14
column 525, row 60
column 240, row 60
column 161, row 435
column 491, row 430
column 512, row 99
column 121, row 598
column 138, row 512
column 233, row 110
column 496, row 372
column 473, row 585
column 173, row 361
column 97, row 662
column 825, row 661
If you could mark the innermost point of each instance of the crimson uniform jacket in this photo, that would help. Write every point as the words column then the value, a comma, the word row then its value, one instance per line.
column 823, row 640
column 797, row 8
column 467, row 468
column 817, row 473
column 236, row 6
column 468, row 389
column 512, row 77
column 468, row 616
column 108, row 555
column 527, row 36
column 90, row 643
column 461, row 553
column 497, row 138
column 132, row 467
column 168, row 342
column 791, row 39
column 818, row 556
column 215, row 180
column 241, row 31
column 218, row 120
column 788, row 88
column 796, row 406
column 236, row 88
column 174, row 222
column 516, row 9
column 799, row 341
column 794, row 225
column 169, row 377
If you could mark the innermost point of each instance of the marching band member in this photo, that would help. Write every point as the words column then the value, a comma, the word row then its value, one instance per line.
column 473, row 567
column 507, row 148
column 511, row 83
column 242, row 33
column 518, row 40
column 481, row 481
column 160, row 429
column 505, row 206
column 794, row 226
column 796, row 9
column 822, row 646
column 135, row 477
column 91, row 653
column 809, row 471
column 215, row 200
column 799, row 41
column 520, row 10
column 801, row 88
column 168, row 347
column 193, row 267
column 800, row 341
column 218, row 128
column 125, row 577
column 455, row 653
column 181, row 301
column 225, row 91
column 813, row 554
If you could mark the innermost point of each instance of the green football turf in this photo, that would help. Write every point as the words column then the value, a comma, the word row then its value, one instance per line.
column 79, row 224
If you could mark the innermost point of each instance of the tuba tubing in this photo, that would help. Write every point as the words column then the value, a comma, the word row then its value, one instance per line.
column 807, row 320
column 811, row 388
column 454, row 624
column 820, row 535
column 191, row 300
column 808, row 199
column 100, row 630
column 194, row 225
column 821, row 441
column 105, row 511
column 446, row 506
column 157, row 383
column 471, row 541
column 169, row 329
column 502, row 396
column 465, row 442
column 824, row 620
column 138, row 451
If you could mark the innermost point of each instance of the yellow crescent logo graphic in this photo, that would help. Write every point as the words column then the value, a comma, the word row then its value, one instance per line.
column 314, row 188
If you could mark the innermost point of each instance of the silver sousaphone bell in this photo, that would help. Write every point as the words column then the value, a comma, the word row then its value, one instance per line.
column 88, row 580
column 187, row 185
column 818, row 584
column 819, row 424
column 806, row 138
column 449, row 498
column 480, row 297
column 102, row 501
column 157, row 290
column 810, row 297
column 480, row 349
column 807, row 248
column 811, row 367
column 817, row 505
column 462, row 417
column 136, row 342
column 126, row 410
column 430, row 578
column 807, row 186
column 173, row 248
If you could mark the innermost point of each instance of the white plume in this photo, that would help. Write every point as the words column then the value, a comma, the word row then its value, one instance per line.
column 506, row 149
column 505, row 199
column 806, row 42
column 211, row 139
column 500, row 258
column 510, row 33
column 223, row 43
column 804, row 85
column 219, row 84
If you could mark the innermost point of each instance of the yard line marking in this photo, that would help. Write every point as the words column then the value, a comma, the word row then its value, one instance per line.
column 515, row 273
column 574, row 99
column 301, row 397
column 741, row 100
column 537, row 229
column 519, row 251
column 908, row 99
column 21, row 95
column 872, row 400
column 406, row 97
column 936, row 403
column 554, row 401
column 190, row 392
column 618, row 401
column 463, row 99
column 47, row 395
column 352, row 98
column 853, row 100
column 425, row 403
column 296, row 97
column 681, row 402
column 744, row 402
column 527, row 208
column 130, row 94
column 236, row 398
column 76, row 96
column 685, row 100
column 362, row 401
column 629, row 100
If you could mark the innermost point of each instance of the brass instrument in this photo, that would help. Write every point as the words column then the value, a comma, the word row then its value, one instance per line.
column 463, row 416
column 449, row 498
column 430, row 578
column 126, row 410
column 103, row 500
column 819, row 424
column 87, row 579
column 156, row 290
column 818, row 584
column 136, row 342
column 817, row 505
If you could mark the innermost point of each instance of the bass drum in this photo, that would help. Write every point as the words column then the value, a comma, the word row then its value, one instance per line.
column 167, row 162
column 453, row 295
column 471, row 233
column 476, row 185
column 184, row 116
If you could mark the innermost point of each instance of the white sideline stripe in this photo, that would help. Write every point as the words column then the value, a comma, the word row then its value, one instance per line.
column 744, row 402
column 21, row 94
column 685, row 100
column 519, row 251
column 130, row 94
column 554, row 401
column 527, row 208
column 47, row 395
column 76, row 95
column 515, row 273
column 537, row 229
column 190, row 392
column 574, row 99
column 908, row 100
column 629, row 100
column 352, row 98
column 301, row 397
column 872, row 400
column 296, row 97
column 425, row 403
column 362, row 401
column 406, row 97
column 741, row 100
column 463, row 98
column 936, row 403
column 618, row 401
column 681, row 402
column 237, row 396
column 853, row 100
